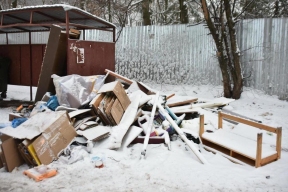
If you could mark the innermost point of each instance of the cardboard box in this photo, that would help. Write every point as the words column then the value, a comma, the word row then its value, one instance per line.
column 111, row 113
column 10, row 155
column 53, row 140
column 52, row 132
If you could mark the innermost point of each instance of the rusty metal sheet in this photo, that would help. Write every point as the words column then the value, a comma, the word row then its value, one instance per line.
column 25, row 65
column 14, row 70
column 90, row 57
column 19, row 73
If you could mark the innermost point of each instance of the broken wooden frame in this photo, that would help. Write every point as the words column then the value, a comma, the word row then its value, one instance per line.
column 258, row 160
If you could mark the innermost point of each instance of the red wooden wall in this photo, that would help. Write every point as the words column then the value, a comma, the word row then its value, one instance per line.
column 19, row 73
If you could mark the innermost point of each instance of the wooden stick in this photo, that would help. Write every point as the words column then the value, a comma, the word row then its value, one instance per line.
column 258, row 150
column 182, row 135
column 168, row 97
column 220, row 120
column 248, row 122
column 201, row 131
column 278, row 142
column 182, row 102
column 119, row 76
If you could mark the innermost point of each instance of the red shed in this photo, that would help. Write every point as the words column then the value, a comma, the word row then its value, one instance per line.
column 26, row 59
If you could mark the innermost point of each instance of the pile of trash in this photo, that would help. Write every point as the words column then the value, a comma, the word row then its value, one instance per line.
column 86, row 110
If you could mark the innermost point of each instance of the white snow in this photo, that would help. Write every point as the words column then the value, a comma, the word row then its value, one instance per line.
column 163, row 170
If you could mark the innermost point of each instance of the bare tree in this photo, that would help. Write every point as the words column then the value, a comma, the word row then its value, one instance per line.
column 146, row 12
column 221, row 23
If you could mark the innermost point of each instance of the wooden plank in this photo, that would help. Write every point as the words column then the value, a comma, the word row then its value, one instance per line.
column 258, row 150
column 234, row 160
column 201, row 131
column 220, row 120
column 182, row 102
column 203, row 139
column 233, row 154
column 248, row 122
column 119, row 76
column 278, row 141
column 168, row 97
column 269, row 159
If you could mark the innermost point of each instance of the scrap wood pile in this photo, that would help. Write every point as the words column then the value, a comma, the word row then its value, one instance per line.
column 85, row 110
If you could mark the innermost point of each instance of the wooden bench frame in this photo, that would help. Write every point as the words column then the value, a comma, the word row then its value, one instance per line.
column 258, row 161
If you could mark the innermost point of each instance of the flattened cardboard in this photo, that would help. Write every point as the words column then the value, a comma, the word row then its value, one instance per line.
column 54, row 140
column 35, row 125
column 10, row 154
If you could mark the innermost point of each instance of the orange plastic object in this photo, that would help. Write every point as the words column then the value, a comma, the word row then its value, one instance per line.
column 19, row 108
column 34, row 174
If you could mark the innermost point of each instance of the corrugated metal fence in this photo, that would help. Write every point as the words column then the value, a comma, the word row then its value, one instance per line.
column 179, row 54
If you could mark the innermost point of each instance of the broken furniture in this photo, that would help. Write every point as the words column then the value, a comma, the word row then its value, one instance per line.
column 239, row 147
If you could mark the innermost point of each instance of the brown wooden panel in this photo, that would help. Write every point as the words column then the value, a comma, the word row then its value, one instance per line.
column 25, row 65
column 98, row 56
column 37, row 57
column 54, row 61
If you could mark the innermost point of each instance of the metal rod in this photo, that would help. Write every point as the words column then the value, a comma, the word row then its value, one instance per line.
column 84, row 37
column 181, row 134
column 114, row 34
column 31, row 81
column 150, row 125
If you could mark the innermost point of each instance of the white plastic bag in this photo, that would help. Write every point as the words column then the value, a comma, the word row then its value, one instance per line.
column 75, row 90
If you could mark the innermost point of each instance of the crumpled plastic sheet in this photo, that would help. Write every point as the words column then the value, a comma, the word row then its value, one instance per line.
column 75, row 90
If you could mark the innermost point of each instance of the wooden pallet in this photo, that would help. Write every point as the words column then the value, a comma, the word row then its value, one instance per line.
column 263, row 154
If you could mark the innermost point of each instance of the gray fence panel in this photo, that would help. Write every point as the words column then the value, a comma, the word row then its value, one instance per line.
column 178, row 54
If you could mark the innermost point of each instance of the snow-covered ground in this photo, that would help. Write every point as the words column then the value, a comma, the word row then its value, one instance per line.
column 163, row 170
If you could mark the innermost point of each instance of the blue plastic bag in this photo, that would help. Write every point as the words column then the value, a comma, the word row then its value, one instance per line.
column 18, row 121
column 52, row 103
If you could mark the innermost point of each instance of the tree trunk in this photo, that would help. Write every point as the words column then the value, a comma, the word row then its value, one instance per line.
column 145, row 13
column 109, row 11
column 183, row 12
column 82, row 4
column 237, row 72
column 14, row 4
column 220, row 51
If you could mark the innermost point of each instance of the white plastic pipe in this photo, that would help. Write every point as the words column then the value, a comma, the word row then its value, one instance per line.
column 150, row 124
column 182, row 135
